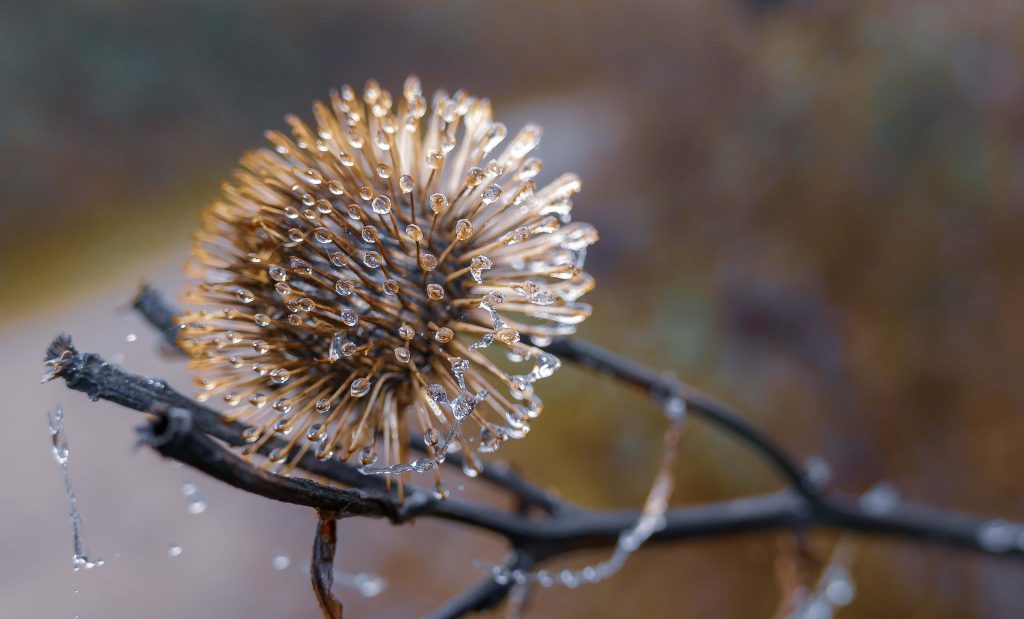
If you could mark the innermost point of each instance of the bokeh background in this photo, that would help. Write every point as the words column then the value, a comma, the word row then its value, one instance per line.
column 812, row 209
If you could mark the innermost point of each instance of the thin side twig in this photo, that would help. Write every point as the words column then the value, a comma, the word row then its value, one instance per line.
column 321, row 565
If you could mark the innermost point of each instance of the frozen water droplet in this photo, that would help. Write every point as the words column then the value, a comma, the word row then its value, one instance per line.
column 349, row 317
column 360, row 387
column 428, row 261
column 381, row 205
column 880, row 498
column 675, row 408
column 281, row 562
column 174, row 549
column 131, row 337
column 998, row 536
column 372, row 260
column 414, row 232
column 196, row 504
column 444, row 335
column 438, row 203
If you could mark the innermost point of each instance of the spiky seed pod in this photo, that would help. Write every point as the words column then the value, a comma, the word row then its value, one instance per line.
column 357, row 280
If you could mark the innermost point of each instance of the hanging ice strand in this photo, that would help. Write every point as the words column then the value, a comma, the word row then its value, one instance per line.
column 651, row 520
column 60, row 453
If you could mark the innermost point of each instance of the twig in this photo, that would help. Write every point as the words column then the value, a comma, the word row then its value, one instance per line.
column 486, row 593
column 186, row 434
column 663, row 389
column 321, row 565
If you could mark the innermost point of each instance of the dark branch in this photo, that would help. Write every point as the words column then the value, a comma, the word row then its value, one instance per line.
column 151, row 305
column 487, row 593
column 663, row 389
column 185, row 430
column 321, row 565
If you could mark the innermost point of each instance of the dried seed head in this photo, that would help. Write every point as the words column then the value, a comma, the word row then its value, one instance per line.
column 353, row 274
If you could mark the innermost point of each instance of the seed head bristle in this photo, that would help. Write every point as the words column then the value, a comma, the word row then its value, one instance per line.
column 352, row 276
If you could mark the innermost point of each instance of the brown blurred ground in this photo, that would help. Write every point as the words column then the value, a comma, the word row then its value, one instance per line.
column 812, row 209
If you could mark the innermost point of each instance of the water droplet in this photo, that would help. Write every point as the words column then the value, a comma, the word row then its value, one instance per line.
column 173, row 549
column 475, row 176
column 463, row 229
column 316, row 432
column 372, row 260
column 349, row 317
column 323, row 235
column 406, row 184
column 360, row 387
column 261, row 347
column 675, row 408
column 299, row 265
column 334, row 353
column 406, row 332
column 508, row 335
column 344, row 287
column 438, row 203
column 491, row 194
column 296, row 235
column 428, row 261
column 998, row 536
column 245, row 296
column 261, row 320
column 131, row 337
column 414, row 232
column 390, row 287
column 281, row 562
column 431, row 437
column 280, row 375
column 435, row 292
column 444, row 335
column 402, row 354
column 880, row 498
column 381, row 205
column 196, row 504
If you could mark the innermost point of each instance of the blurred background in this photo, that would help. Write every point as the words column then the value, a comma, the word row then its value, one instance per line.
column 811, row 209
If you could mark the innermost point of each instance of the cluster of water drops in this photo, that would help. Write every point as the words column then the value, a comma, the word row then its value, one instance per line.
column 365, row 282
